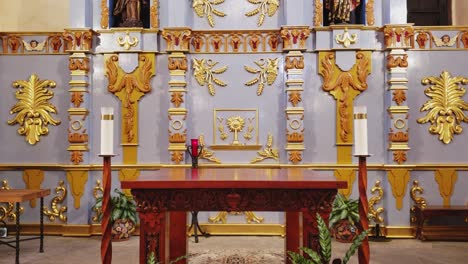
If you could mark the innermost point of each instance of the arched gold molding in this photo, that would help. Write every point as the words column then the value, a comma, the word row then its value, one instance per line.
column 77, row 181
column 398, row 179
column 56, row 209
column 446, row 180
column 347, row 175
column 33, row 180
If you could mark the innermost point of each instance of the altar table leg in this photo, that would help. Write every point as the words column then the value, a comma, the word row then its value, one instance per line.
column 293, row 239
column 178, row 236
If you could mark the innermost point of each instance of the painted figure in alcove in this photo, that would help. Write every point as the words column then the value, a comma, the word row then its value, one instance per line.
column 342, row 12
column 129, row 12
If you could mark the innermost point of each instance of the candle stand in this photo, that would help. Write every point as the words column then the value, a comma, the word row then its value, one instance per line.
column 106, row 228
column 363, row 251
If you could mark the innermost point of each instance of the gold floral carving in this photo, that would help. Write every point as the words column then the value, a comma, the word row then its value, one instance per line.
column 375, row 214
column 76, row 98
column 346, row 39
column 205, row 8
column 223, row 134
column 57, row 210
column 177, row 38
column 446, row 178
column 266, row 74
column 178, row 137
column 98, row 191
column 205, row 153
column 265, row 7
column 318, row 13
column 250, row 128
column 76, row 157
column 399, row 156
column 75, row 138
column 295, row 137
column 399, row 96
column 79, row 64
column 204, row 74
column 33, row 109
column 127, row 42
column 177, row 64
column 295, row 98
column 33, row 179
column 104, row 14
column 268, row 152
column 295, row 36
column 154, row 14
column 295, row 156
column 344, row 86
column 398, row 136
column 235, row 124
column 446, row 106
column 177, row 156
column 8, row 211
column 294, row 63
column 399, row 179
column 77, row 182
column 370, row 17
column 419, row 201
column 177, row 98
column 401, row 62
column 347, row 175
column 129, row 88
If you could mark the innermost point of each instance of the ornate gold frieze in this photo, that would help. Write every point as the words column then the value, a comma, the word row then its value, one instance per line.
column 42, row 43
column 57, row 210
column 393, row 62
column 104, row 14
column 295, row 156
column 294, row 63
column 8, row 211
column 318, row 13
column 33, row 109
column 204, row 74
column 446, row 106
column 370, row 17
column 127, row 42
column 268, row 152
column 398, row 179
column 205, row 153
column 346, row 39
column 177, row 63
column 464, row 38
column 177, row 39
column 98, row 191
column 419, row 201
column 294, row 38
column 129, row 88
column 77, row 182
column 398, row 36
column 375, row 214
column 399, row 96
column 266, row 74
column 154, row 14
column 206, row 8
column 446, row 179
column 264, row 7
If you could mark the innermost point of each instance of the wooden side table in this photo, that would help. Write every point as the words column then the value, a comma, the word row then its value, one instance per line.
column 21, row 195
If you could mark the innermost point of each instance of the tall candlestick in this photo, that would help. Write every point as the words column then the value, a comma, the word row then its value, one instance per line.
column 194, row 144
column 360, row 131
column 107, row 131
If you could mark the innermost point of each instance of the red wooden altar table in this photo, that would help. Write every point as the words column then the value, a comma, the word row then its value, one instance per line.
column 179, row 190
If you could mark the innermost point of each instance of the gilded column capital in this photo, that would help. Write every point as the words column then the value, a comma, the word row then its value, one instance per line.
column 78, row 39
column 295, row 37
column 398, row 36
column 177, row 38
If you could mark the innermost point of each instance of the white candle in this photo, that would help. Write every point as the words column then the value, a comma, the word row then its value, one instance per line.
column 360, row 131
column 107, row 131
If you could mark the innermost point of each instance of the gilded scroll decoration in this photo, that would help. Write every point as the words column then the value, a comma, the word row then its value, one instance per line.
column 268, row 152
column 98, row 190
column 393, row 62
column 346, row 39
column 154, row 14
column 8, row 211
column 127, row 42
column 205, row 8
column 446, row 106
column 204, row 74
column 318, row 13
column 266, row 74
column 370, row 17
column 104, row 14
column 205, row 153
column 250, row 217
column 56, row 209
column 33, row 109
column 265, row 7
column 418, row 200
column 375, row 213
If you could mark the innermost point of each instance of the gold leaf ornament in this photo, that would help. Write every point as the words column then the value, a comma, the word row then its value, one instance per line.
column 205, row 7
column 446, row 106
column 33, row 111
column 204, row 74
column 266, row 74
column 264, row 7
column 268, row 152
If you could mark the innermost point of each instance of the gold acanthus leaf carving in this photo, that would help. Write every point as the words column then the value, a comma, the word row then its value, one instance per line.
column 33, row 109
column 399, row 96
column 207, row 154
column 204, row 74
column 177, row 137
column 98, row 191
column 266, row 74
column 418, row 200
column 295, row 98
column 446, row 106
column 56, row 209
column 265, row 7
column 79, row 64
column 318, row 13
column 295, row 137
column 375, row 214
column 268, row 152
column 294, row 63
column 177, row 64
column 401, row 62
column 295, row 156
column 76, row 98
column 177, row 39
column 177, row 156
column 177, row 98
column 205, row 7
column 8, row 211
column 76, row 157
column 399, row 156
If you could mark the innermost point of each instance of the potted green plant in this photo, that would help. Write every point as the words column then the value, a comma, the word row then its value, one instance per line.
column 344, row 215
column 123, row 215
column 324, row 256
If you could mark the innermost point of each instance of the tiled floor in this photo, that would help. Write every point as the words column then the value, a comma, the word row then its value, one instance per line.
column 87, row 250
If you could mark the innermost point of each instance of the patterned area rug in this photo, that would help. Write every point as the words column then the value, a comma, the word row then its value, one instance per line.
column 236, row 257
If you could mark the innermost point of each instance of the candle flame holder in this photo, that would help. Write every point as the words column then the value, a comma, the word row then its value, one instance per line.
column 190, row 149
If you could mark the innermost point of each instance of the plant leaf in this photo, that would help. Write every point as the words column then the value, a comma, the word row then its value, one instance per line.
column 355, row 245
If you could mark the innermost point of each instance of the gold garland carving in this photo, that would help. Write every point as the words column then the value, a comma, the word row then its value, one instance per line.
column 33, row 179
column 33, row 109
column 268, row 152
column 318, row 13
column 375, row 214
column 56, row 209
column 370, row 17
column 104, row 14
column 398, row 179
column 98, row 190
column 446, row 106
column 205, row 8
column 419, row 201
column 265, row 7
column 207, row 154
column 8, row 211
column 204, row 74
column 77, row 181
column 154, row 14
column 266, row 74
column 446, row 178
column 129, row 88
